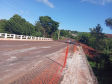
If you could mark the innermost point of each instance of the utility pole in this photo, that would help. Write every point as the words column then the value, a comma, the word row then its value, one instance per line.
column 59, row 31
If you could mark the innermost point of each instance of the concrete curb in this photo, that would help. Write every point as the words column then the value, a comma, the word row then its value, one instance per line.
column 22, row 39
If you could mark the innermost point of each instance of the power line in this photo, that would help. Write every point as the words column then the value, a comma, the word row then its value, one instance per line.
column 40, row 6
column 25, row 8
column 18, row 6
column 14, row 9
column 21, row 7
column 30, row 11
column 48, row 10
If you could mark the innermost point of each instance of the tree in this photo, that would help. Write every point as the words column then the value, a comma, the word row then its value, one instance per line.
column 2, row 25
column 74, row 32
column 109, row 22
column 54, row 27
column 18, row 25
column 48, row 24
column 45, row 22
column 85, row 38
column 99, row 36
column 39, row 27
column 55, row 35
column 64, row 33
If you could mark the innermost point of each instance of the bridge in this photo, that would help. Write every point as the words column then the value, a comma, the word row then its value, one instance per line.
column 39, row 62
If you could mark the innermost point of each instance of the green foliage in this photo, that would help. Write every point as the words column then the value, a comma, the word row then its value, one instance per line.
column 55, row 35
column 39, row 27
column 102, row 63
column 109, row 22
column 97, row 33
column 49, row 25
column 93, row 39
column 92, row 64
column 74, row 32
column 2, row 25
column 18, row 25
column 106, row 45
column 38, row 34
column 85, row 38
column 64, row 33
column 102, row 68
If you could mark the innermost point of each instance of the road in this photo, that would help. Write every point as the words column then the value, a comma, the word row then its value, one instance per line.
column 20, row 60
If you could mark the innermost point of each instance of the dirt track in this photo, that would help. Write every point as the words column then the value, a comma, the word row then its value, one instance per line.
column 23, row 60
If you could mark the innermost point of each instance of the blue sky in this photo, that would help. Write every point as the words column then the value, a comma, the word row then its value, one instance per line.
column 77, row 15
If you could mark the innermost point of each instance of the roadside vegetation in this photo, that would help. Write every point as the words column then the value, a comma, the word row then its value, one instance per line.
column 45, row 27
column 102, row 62
column 69, row 34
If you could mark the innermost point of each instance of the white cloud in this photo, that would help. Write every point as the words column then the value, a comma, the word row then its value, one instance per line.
column 21, row 11
column 102, row 2
column 47, row 3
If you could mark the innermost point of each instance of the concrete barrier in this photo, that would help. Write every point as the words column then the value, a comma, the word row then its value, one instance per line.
column 5, row 36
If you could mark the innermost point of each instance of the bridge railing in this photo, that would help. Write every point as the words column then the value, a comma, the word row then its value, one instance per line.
column 15, row 36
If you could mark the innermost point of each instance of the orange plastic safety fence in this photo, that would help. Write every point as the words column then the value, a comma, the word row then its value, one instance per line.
column 75, row 47
column 52, row 73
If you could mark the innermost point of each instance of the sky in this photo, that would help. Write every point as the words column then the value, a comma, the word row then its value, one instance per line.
column 77, row 15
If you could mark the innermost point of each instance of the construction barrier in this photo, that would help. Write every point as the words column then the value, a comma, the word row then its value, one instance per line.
column 75, row 47
column 52, row 74
column 79, row 71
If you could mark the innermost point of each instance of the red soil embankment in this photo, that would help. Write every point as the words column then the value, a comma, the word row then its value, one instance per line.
column 88, row 50
column 109, row 35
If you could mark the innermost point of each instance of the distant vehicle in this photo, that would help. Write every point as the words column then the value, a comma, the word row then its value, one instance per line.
column 68, row 41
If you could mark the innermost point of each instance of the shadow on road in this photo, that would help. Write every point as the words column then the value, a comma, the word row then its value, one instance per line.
column 54, row 61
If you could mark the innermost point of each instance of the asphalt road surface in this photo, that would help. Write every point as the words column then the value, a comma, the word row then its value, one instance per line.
column 20, row 59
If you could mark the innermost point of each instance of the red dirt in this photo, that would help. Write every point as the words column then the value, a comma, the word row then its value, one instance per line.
column 109, row 35
column 88, row 50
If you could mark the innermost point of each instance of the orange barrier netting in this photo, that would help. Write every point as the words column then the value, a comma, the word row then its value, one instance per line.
column 75, row 48
column 52, row 73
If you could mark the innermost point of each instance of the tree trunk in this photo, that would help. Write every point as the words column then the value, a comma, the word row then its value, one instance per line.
column 44, row 32
column 51, row 35
column 96, row 59
column 97, row 56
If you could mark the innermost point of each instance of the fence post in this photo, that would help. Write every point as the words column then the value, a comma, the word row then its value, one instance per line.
column 31, row 37
column 35, row 38
column 20, row 36
column 38, row 38
column 5, row 35
column 26, row 37
column 14, row 36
